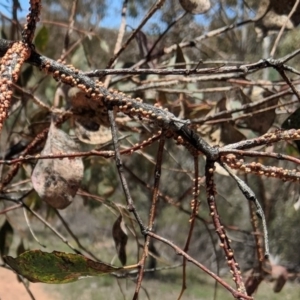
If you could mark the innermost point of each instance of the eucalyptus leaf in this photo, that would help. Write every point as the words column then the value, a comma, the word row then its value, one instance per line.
column 41, row 39
column 56, row 267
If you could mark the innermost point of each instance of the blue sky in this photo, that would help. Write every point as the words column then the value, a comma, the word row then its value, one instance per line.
column 112, row 18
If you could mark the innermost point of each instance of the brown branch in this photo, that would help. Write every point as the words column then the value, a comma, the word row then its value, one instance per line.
column 261, row 170
column 32, row 19
column 73, row 235
column 39, row 217
column 10, row 208
column 195, row 207
column 150, row 13
column 279, row 35
column 266, row 139
column 120, row 37
column 155, row 197
column 119, row 164
column 224, row 240
column 10, row 69
column 254, row 153
column 39, row 139
column 236, row 294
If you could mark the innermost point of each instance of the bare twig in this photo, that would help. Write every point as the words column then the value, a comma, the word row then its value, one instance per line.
column 195, row 207
column 155, row 197
column 80, row 246
column 119, row 164
column 13, row 207
column 18, row 201
column 151, row 12
column 30, row 228
column 253, row 153
column 120, row 37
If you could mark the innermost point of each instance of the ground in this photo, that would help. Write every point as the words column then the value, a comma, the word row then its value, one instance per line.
column 12, row 289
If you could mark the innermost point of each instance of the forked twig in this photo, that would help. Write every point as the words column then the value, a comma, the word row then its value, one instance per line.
column 151, row 12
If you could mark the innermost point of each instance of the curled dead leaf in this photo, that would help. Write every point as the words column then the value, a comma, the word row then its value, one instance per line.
column 280, row 275
column 273, row 14
column 195, row 6
column 120, row 237
column 85, row 107
column 57, row 180
column 91, row 132
column 90, row 116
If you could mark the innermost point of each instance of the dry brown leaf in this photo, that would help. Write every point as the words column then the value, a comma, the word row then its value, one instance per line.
column 261, row 122
column 91, row 132
column 83, row 106
column 57, row 180
column 228, row 132
column 195, row 6
column 120, row 237
column 273, row 14
column 280, row 275
column 91, row 119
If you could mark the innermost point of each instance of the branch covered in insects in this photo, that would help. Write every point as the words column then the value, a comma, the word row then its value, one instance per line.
column 224, row 240
column 11, row 64
column 32, row 19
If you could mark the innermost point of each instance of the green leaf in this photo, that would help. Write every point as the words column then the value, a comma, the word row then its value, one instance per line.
column 56, row 267
column 3, row 34
column 41, row 39
column 104, row 46
column 79, row 58
column 6, row 237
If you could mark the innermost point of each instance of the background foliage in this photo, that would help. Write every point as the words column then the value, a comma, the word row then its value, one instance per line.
column 210, row 101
